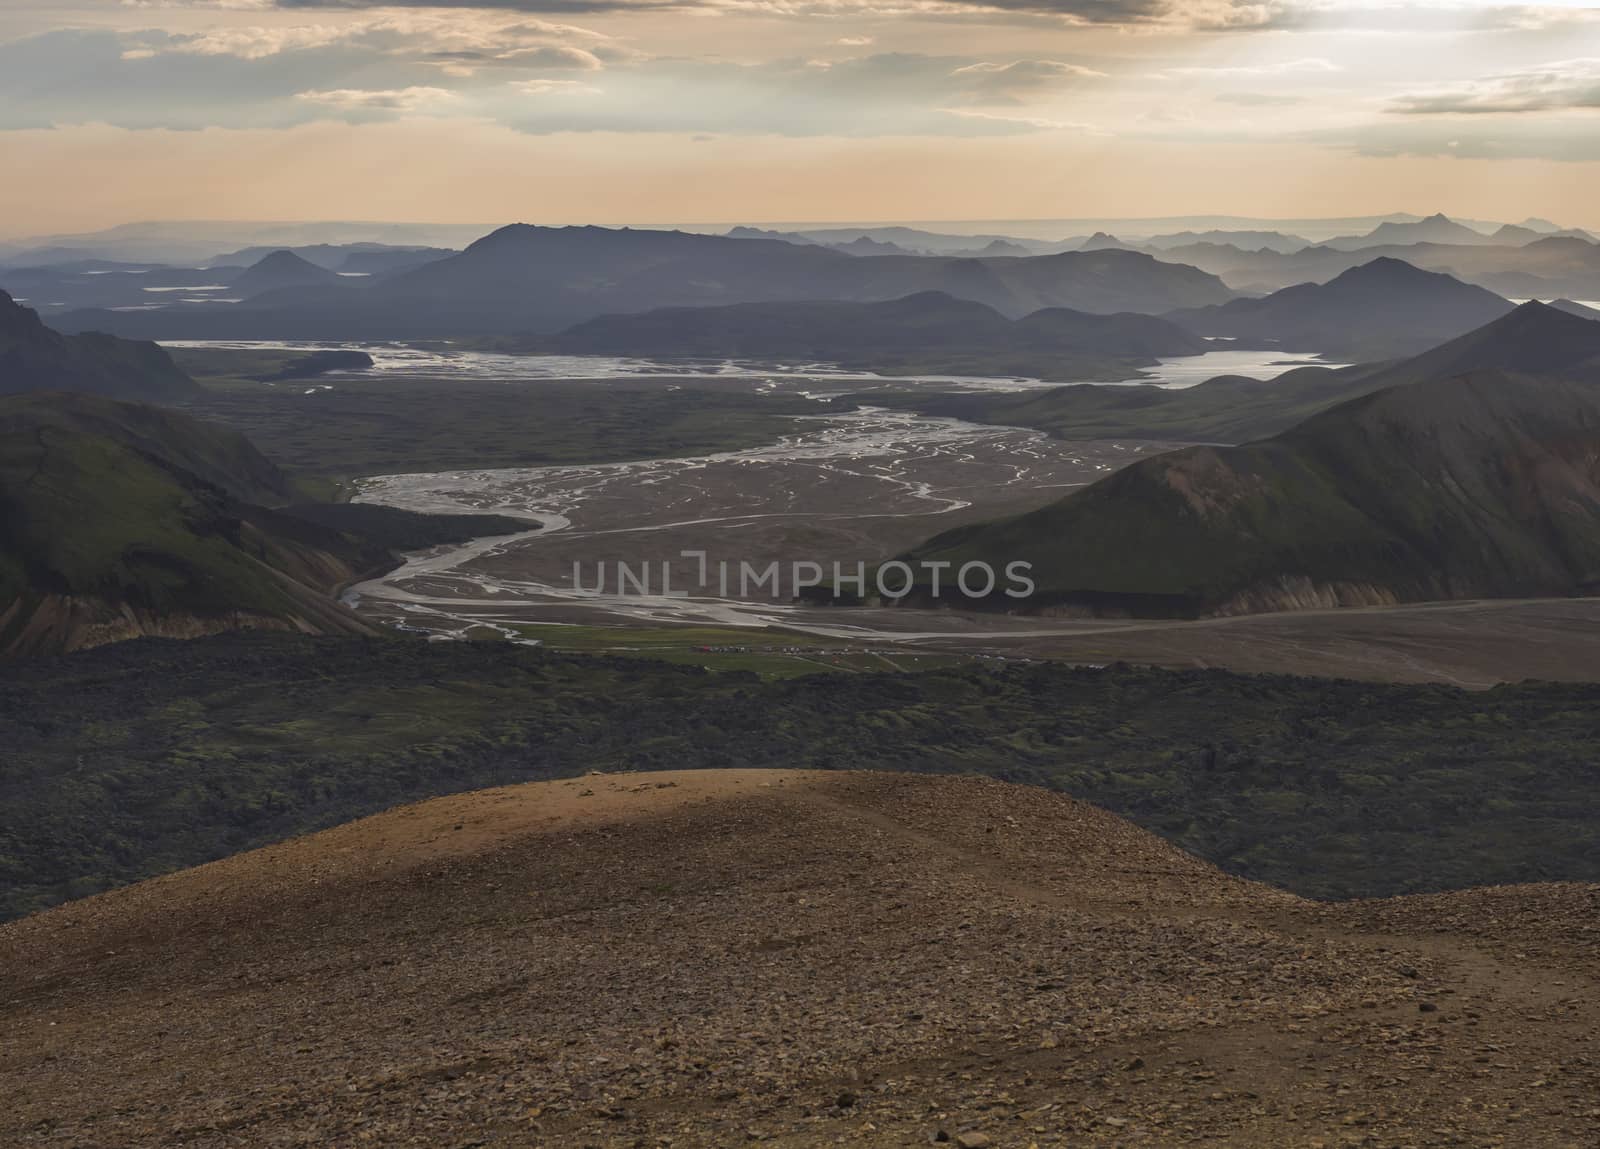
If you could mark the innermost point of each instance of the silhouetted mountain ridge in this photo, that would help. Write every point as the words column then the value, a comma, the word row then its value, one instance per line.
column 928, row 331
column 33, row 357
column 539, row 280
column 1380, row 310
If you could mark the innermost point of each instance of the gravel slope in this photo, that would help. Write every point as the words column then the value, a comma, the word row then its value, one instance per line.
column 713, row 958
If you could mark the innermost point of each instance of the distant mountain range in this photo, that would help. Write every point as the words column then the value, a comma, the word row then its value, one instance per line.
column 540, row 280
column 34, row 358
column 108, row 290
column 526, row 280
column 1435, row 229
column 931, row 333
column 910, row 241
column 1380, row 310
column 199, row 242
column 1545, row 267
column 1473, row 472
column 1243, row 240
column 345, row 258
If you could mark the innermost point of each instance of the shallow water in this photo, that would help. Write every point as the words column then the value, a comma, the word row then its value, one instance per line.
column 855, row 474
column 399, row 360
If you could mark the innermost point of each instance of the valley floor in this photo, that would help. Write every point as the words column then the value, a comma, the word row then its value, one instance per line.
column 801, row 959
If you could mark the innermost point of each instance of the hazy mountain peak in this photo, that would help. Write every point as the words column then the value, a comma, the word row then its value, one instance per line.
column 1572, row 307
column 282, row 259
column 1103, row 241
column 1388, row 269
column 1514, row 236
column 282, row 269
column 1383, row 309
column 1436, row 228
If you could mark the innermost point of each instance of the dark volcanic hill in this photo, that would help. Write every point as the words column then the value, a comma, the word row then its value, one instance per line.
column 122, row 519
column 34, row 358
column 1458, row 486
column 925, row 332
column 1533, row 339
column 280, row 270
column 1380, row 310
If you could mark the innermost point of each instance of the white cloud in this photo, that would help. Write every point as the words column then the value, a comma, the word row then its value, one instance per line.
column 457, row 42
column 417, row 99
column 1560, row 85
column 256, row 43
column 1009, row 83
column 1029, row 70
column 1309, row 66
column 1259, row 99
column 226, row 5
column 1038, row 123
column 555, row 88
column 1199, row 14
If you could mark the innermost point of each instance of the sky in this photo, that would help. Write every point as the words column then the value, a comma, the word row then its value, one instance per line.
column 653, row 111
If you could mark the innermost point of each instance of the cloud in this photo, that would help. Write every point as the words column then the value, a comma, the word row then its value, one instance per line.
column 1563, row 139
column 555, row 87
column 138, row 80
column 415, row 99
column 458, row 43
column 1565, row 84
column 1309, row 66
column 226, row 5
column 1535, row 17
column 1258, row 99
column 1037, row 123
column 541, row 7
column 1199, row 14
column 987, row 82
column 889, row 94
column 253, row 43
column 97, row 76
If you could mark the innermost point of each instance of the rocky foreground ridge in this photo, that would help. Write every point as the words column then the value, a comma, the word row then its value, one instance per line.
column 716, row 958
